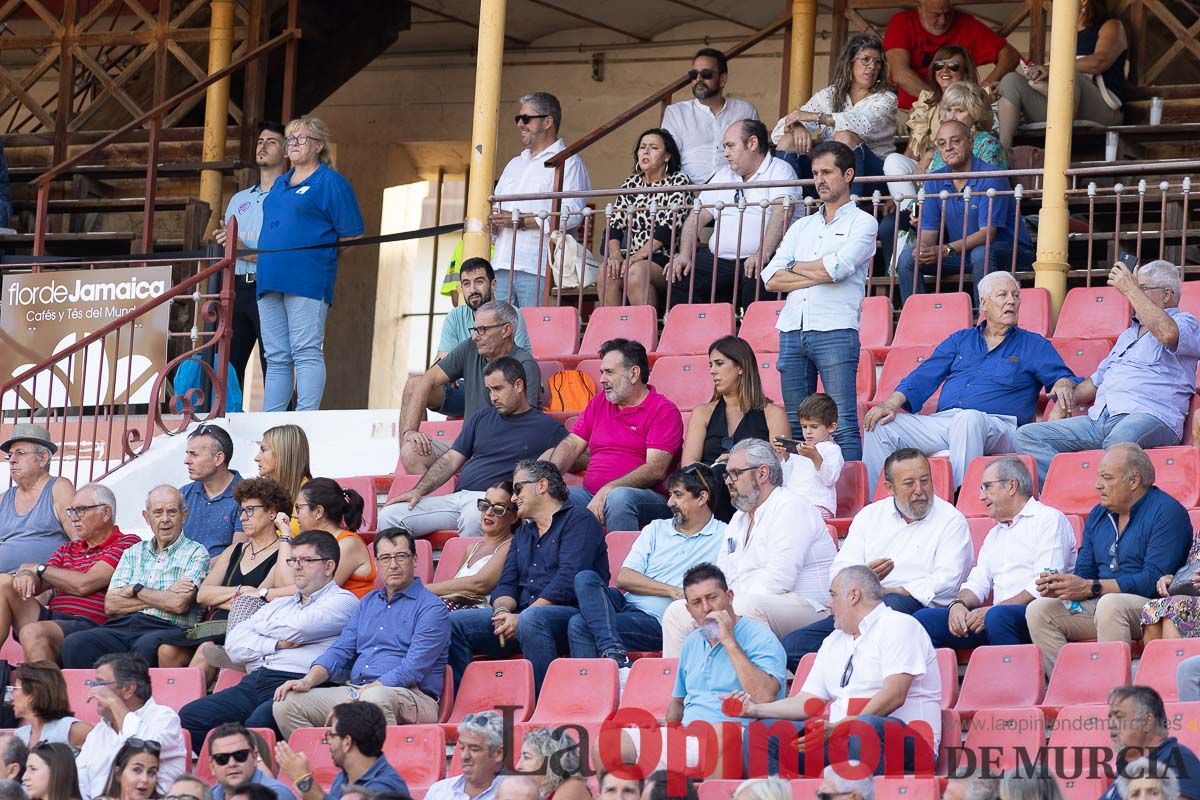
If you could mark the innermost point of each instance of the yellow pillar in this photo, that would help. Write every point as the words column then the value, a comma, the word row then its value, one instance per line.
column 216, row 106
column 804, row 44
column 488, row 64
column 1051, row 265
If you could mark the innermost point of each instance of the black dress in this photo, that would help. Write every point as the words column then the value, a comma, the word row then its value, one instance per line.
column 233, row 577
column 717, row 442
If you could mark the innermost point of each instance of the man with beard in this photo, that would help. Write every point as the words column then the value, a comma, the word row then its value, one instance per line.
column 611, row 622
column 917, row 544
column 633, row 436
column 698, row 125
column 775, row 554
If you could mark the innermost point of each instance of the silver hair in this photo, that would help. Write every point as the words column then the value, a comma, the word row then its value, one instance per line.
column 986, row 282
column 1149, row 768
column 761, row 454
column 1136, row 462
column 1164, row 274
column 104, row 495
column 163, row 487
column 505, row 313
column 861, row 577
column 763, row 789
column 488, row 724
column 561, row 754
column 12, row 790
column 544, row 103
column 978, row 787
column 320, row 131
column 864, row 786
column 1017, row 786
column 1008, row 468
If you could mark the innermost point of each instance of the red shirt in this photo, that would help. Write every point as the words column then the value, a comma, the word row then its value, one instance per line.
column 618, row 438
column 78, row 557
column 904, row 32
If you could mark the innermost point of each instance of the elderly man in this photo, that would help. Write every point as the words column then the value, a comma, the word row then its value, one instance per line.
column 822, row 265
column 917, row 544
column 33, row 513
column 534, row 601
column 1114, row 576
column 913, row 37
column 188, row 787
column 13, row 753
column 394, row 647
column 698, row 125
column 213, row 517
column 279, row 642
column 358, row 730
column 491, row 338
column 775, row 554
column 611, row 622
column 494, row 438
column 633, row 436
column 1139, row 728
column 1029, row 539
column 152, row 594
column 121, row 692
column 833, row 784
column 77, row 574
column 234, row 760
column 738, row 243
column 981, row 232
column 990, row 376
column 877, row 655
column 1141, row 391
column 972, row 787
column 521, row 257
column 481, row 751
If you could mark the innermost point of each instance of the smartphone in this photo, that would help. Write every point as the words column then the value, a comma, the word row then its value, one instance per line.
column 1129, row 260
column 790, row 445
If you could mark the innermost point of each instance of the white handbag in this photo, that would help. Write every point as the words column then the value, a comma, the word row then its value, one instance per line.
column 572, row 261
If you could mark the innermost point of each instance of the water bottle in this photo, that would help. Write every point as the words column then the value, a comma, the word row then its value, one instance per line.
column 1073, row 606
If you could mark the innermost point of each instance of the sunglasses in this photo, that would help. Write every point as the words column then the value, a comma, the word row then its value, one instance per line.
column 525, row 119
column 240, row 756
column 848, row 671
column 953, row 66
column 706, row 74
column 499, row 509
column 694, row 469
column 1112, row 556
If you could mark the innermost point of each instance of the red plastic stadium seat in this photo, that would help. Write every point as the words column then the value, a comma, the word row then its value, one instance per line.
column 453, row 551
column 927, row 319
column 1084, row 673
column 968, row 497
column 899, row 362
column 637, row 323
column 875, row 325
column 685, row 380
column 802, row 669
column 852, row 489
column 591, row 368
column 1177, row 472
column 578, row 690
column 650, row 686
column 758, row 325
column 12, row 652
column 204, row 763
column 1076, row 731
column 907, row 788
column 1077, row 526
column 1004, row 676
column 619, row 544
column 445, row 431
column 980, row 528
column 947, row 661
column 1093, row 313
column 227, row 679
column 768, row 373
column 1034, row 315
column 1189, row 300
column 365, row 486
column 1160, row 659
column 418, row 752
column 548, row 369
column 1082, row 356
column 487, row 685
column 424, row 567
column 315, row 743
column 175, row 687
column 943, row 480
column 1006, row 730
column 77, row 694
column 446, row 701
column 402, row 483
column 553, row 330
column 1181, row 721
column 717, row 789
column 692, row 327
column 1071, row 482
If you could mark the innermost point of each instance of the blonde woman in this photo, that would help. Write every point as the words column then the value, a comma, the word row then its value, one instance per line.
column 969, row 104
column 309, row 204
column 283, row 457
column 556, row 760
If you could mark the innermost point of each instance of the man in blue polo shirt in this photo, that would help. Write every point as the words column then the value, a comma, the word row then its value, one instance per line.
column 1140, row 729
column 990, row 376
column 983, row 230
column 214, row 517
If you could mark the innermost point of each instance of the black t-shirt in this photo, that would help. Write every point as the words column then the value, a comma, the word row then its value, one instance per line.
column 494, row 443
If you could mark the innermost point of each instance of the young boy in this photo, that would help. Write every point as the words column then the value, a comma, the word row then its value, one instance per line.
column 814, row 470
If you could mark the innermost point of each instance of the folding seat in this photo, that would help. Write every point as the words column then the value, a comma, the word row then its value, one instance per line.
column 591, row 368
column 578, row 690
column 768, row 373
column 446, row 700
column 1084, row 673
column 802, row 669
column 453, row 551
column 418, row 752
column 619, row 544
column 1035, row 310
column 1001, row 676
column 758, row 325
column 175, row 687
column 692, row 327
column 424, row 566
column 980, row 528
column 1071, row 482
column 1189, row 300
column 365, row 486
column 906, row 788
column 650, row 686
column 943, row 480
column 1181, row 723
column 1177, row 472
column 315, row 743
column 927, row 319
column 1082, row 356
column 947, row 661
column 899, row 363
column 487, row 685
column 1008, row 730
column 1160, row 660
column 12, row 652
column 553, row 330
column 1099, row 312
column 685, row 380
column 637, row 323
column 204, row 762
column 1076, row 522
column 1077, row 735
column 77, row 694
column 875, row 324
column 852, row 489
column 548, row 369
column 968, row 498
column 445, row 431
column 719, row 789
column 227, row 679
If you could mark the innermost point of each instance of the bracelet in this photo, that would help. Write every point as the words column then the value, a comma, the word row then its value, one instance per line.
column 956, row 602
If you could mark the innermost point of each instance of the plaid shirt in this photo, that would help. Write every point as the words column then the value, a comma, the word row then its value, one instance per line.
column 144, row 564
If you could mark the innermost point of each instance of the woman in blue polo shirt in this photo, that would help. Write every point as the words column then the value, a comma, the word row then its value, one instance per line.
column 309, row 204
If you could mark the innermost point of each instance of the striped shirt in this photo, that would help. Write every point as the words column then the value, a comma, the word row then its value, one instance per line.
column 77, row 556
column 144, row 564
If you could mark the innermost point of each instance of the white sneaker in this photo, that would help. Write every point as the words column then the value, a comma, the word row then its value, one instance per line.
column 623, row 677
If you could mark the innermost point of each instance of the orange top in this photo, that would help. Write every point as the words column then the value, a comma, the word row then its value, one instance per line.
column 356, row 584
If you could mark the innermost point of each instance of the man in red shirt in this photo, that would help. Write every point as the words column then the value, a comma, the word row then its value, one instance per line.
column 913, row 36
column 78, row 572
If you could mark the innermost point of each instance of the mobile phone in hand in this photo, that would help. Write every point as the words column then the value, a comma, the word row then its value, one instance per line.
column 790, row 445
column 1129, row 260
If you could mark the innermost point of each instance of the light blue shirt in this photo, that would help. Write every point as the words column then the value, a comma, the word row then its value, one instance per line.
column 282, row 792
column 246, row 206
column 455, row 329
column 706, row 675
column 1142, row 376
column 663, row 554
column 455, row 788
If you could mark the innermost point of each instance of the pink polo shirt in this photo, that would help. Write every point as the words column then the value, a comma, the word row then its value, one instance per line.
column 618, row 438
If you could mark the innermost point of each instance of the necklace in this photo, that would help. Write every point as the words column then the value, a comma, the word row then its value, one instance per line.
column 255, row 553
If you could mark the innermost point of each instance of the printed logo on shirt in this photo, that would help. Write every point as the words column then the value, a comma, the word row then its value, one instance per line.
column 303, row 189
column 243, row 207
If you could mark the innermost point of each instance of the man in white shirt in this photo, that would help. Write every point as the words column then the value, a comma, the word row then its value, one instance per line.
column 1029, row 538
column 121, row 692
column 698, row 126
column 822, row 265
column 522, row 255
column 776, row 552
column 878, row 657
column 917, row 544
column 727, row 269
column 481, row 752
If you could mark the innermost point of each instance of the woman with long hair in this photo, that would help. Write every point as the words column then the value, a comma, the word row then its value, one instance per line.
column 134, row 774
column 50, row 773
column 556, row 759
column 283, row 457
column 41, row 702
column 326, row 506
column 480, row 568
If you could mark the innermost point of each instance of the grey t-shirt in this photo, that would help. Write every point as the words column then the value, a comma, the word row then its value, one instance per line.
column 465, row 363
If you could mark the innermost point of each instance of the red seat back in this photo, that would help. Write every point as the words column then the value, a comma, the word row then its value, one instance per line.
column 365, row 486
column 486, row 685
column 619, row 544
column 1160, row 661
column 650, row 686
column 1099, row 312
column 875, row 324
column 1082, row 356
column 758, row 325
column 175, row 687
column 1006, row 731
column 899, row 362
column 968, row 497
column 1071, row 482
column 314, row 742
column 553, row 330
column 1085, row 672
column 637, row 323
column 692, row 327
column 1001, row 676
column 418, row 752
column 451, row 558
column 579, row 690
column 852, row 489
column 684, row 380
column 927, row 319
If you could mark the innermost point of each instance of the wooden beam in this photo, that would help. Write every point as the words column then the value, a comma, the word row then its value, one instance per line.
column 1168, row 58
column 110, row 85
column 589, row 20
column 51, row 20
column 1014, row 21
column 96, row 104
column 27, row 101
column 463, row 21
column 1183, row 36
column 710, row 13
column 862, row 23
column 106, row 38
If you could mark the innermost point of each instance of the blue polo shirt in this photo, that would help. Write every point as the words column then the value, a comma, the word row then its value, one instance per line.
column 381, row 777
column 211, row 521
column 999, row 211
column 319, row 210
column 1170, row 754
column 706, row 676
column 543, row 567
column 663, row 554
column 1004, row 380
column 1155, row 543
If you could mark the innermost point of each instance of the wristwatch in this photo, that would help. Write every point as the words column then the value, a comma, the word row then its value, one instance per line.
column 1096, row 588
column 262, row 593
column 41, row 569
column 305, row 783
column 949, row 251
column 137, row 587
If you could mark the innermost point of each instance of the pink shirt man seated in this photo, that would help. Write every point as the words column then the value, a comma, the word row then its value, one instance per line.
column 632, row 435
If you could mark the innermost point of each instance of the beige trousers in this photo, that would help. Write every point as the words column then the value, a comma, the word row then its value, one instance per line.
column 1111, row 618
column 782, row 613
column 400, row 706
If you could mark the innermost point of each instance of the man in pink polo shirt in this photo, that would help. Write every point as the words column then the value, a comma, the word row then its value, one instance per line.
column 633, row 436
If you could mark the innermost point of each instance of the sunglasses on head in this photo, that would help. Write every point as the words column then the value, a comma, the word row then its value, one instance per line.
column 240, row 756
column 147, row 745
column 706, row 74
column 953, row 66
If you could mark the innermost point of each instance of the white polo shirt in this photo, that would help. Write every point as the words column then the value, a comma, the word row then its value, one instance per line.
column 730, row 221
column 700, row 134
column 1015, row 553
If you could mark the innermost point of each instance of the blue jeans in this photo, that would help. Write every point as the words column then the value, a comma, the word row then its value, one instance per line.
column 606, row 623
column 809, row 638
column 1001, row 625
column 1045, row 440
column 526, row 287
column 249, row 702
column 981, row 260
column 834, row 356
column 293, row 329
column 794, row 763
column 541, row 638
column 626, row 508
column 865, row 163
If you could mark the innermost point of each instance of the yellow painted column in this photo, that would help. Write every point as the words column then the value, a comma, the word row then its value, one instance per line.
column 1051, row 264
column 804, row 45
column 216, row 107
column 488, row 64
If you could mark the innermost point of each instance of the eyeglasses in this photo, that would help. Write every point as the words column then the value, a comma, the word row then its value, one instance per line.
column 388, row 558
column 305, row 505
column 240, row 756
column 1152, row 288
column 94, row 682
column 301, row 140
column 848, row 671
column 706, row 74
column 732, row 474
column 739, row 195
column 869, row 61
column 499, row 509
column 20, row 453
column 482, row 329
column 525, row 119
column 248, row 511
column 831, row 795
column 181, row 797
column 306, row 560
column 74, row 512
column 953, row 66
column 149, row 745
column 985, row 484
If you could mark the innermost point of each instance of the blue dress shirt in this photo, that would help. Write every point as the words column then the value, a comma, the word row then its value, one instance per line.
column 544, row 567
column 381, row 777
column 212, row 521
column 999, row 211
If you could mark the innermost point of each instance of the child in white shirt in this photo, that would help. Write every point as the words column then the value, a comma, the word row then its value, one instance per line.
column 813, row 467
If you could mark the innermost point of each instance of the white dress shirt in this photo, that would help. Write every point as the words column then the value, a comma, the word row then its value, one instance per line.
column 1015, row 553
column 700, row 134
column 313, row 624
column 788, row 549
column 749, row 224
column 845, row 246
column 528, row 174
column 817, row 486
column 888, row 643
column 152, row 722
column 455, row 788
column 932, row 556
